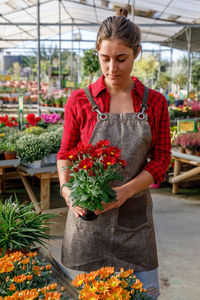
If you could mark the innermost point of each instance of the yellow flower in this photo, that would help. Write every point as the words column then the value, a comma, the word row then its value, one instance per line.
column 114, row 281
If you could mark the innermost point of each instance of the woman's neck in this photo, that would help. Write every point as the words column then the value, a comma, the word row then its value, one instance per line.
column 125, row 87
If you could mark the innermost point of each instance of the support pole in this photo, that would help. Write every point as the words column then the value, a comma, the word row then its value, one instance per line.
column 171, row 65
column 133, row 10
column 38, row 53
column 59, row 49
column 72, row 62
column 188, row 37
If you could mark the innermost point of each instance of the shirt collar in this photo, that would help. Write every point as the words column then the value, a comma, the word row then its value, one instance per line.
column 99, row 85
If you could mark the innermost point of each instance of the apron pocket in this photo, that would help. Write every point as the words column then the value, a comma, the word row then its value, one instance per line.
column 132, row 213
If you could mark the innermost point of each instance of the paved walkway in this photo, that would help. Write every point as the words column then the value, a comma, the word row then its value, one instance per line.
column 178, row 239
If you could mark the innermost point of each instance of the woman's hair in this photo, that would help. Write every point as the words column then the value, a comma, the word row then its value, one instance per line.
column 120, row 28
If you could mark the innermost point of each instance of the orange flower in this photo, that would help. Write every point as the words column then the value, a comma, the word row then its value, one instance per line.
column 114, row 281
column 16, row 256
column 105, row 272
column 19, row 278
column 137, row 285
column 29, row 277
column 126, row 273
column 25, row 261
column 79, row 280
column 31, row 254
column 52, row 296
column 24, row 267
column 119, row 293
column 88, row 296
column 91, row 276
column 12, row 287
column 48, row 267
column 36, row 270
column 27, row 294
column 124, row 284
column 100, row 287
column 2, row 267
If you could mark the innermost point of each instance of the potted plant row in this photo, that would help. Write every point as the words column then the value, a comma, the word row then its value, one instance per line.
column 188, row 143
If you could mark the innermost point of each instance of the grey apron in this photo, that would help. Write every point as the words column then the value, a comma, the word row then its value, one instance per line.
column 123, row 237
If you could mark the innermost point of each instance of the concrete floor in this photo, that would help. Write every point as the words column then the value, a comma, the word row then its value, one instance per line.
column 178, row 240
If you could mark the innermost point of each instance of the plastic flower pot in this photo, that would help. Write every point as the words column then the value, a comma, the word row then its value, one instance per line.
column 35, row 164
column 89, row 216
column 155, row 185
column 10, row 155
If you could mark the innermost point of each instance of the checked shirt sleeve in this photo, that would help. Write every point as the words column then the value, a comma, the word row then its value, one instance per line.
column 161, row 149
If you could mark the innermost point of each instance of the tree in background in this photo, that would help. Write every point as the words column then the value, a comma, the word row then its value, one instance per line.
column 146, row 69
column 196, row 75
column 90, row 64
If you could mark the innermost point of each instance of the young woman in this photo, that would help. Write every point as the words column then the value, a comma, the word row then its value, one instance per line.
column 136, row 121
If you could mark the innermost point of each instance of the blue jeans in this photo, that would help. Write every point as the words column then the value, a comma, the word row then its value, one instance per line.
column 150, row 281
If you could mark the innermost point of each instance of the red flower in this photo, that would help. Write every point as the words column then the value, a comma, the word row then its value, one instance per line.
column 32, row 120
column 108, row 161
column 122, row 162
column 71, row 155
column 112, row 151
column 86, row 164
column 103, row 143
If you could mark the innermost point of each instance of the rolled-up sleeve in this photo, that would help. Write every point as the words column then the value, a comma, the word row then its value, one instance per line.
column 160, row 155
column 71, row 132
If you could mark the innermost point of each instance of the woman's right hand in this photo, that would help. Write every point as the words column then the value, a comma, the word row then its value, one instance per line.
column 77, row 210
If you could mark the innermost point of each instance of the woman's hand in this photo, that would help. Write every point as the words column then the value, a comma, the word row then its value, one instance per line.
column 77, row 210
column 121, row 196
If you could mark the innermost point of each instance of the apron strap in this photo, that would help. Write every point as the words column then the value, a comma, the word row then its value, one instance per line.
column 145, row 97
column 90, row 98
column 95, row 107
column 141, row 115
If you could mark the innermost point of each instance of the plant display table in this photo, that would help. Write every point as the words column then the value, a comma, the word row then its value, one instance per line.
column 188, row 175
column 44, row 174
column 3, row 165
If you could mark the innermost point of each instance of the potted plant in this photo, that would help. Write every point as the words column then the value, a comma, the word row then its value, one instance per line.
column 31, row 149
column 54, row 140
column 92, row 170
column 21, row 227
column 106, row 284
column 10, row 150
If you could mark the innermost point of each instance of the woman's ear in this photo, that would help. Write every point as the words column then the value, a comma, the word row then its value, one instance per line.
column 138, row 52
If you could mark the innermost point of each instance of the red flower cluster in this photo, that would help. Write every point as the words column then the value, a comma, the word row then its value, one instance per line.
column 103, row 152
column 32, row 120
column 6, row 121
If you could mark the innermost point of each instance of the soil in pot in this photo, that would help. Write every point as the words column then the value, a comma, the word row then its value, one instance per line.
column 2, row 157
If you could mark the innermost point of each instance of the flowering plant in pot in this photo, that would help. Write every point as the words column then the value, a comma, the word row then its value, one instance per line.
column 26, row 276
column 32, row 148
column 54, row 141
column 92, row 170
column 106, row 284
column 21, row 227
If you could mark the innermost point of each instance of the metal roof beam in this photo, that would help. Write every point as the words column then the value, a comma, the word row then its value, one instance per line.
column 97, row 24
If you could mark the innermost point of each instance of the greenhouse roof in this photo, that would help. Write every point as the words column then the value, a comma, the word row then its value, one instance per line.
column 160, row 21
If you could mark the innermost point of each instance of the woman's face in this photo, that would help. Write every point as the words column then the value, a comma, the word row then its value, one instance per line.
column 116, row 61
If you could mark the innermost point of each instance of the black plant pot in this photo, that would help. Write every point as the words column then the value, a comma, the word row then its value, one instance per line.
column 89, row 216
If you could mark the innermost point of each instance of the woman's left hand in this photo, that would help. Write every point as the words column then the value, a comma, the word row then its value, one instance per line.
column 121, row 196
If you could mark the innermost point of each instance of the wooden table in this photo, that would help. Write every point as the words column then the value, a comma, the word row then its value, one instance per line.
column 45, row 174
column 192, row 174
column 10, row 163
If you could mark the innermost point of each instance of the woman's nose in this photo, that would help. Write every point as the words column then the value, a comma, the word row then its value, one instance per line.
column 112, row 66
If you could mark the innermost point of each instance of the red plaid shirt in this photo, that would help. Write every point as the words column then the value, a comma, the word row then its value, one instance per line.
column 80, row 122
